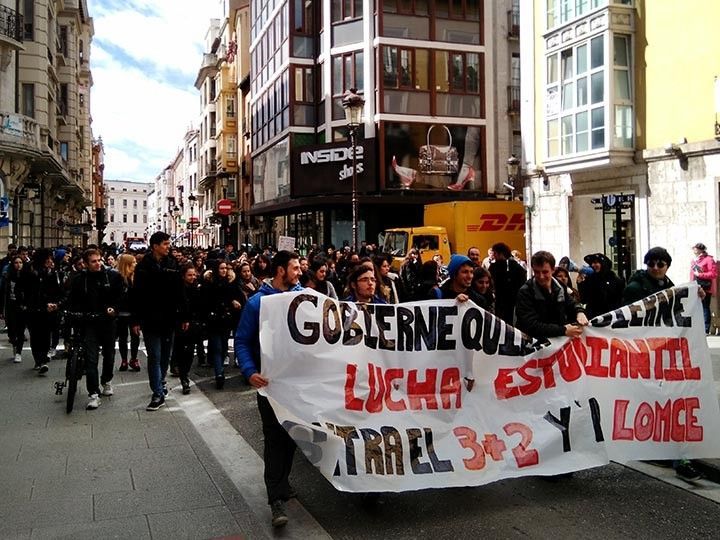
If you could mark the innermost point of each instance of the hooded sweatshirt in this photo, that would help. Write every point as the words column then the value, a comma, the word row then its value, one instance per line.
column 247, row 334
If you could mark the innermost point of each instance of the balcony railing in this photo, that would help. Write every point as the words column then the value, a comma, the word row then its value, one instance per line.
column 11, row 24
column 513, row 98
column 19, row 129
column 513, row 16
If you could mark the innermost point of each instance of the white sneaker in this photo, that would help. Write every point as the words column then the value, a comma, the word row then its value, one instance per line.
column 226, row 362
column 17, row 359
column 51, row 354
column 93, row 402
column 107, row 389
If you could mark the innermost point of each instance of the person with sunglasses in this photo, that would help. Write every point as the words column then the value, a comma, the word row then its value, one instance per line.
column 644, row 283
column 651, row 280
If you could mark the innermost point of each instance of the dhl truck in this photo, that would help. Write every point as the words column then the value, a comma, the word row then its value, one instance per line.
column 454, row 227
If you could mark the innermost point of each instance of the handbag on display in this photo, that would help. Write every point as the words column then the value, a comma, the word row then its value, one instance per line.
column 437, row 159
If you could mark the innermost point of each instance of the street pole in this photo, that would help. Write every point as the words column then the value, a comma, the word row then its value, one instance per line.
column 355, row 243
column 353, row 105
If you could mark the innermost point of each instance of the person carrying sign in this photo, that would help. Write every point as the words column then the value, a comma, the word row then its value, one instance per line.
column 544, row 309
column 645, row 283
column 279, row 446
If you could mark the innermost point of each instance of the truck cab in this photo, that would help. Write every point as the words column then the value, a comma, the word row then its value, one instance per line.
column 428, row 240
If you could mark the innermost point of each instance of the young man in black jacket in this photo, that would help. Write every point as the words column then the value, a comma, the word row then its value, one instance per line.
column 96, row 291
column 155, row 307
column 543, row 308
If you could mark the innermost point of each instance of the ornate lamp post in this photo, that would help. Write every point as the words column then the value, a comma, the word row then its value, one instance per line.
column 175, row 216
column 513, row 172
column 192, row 199
column 353, row 105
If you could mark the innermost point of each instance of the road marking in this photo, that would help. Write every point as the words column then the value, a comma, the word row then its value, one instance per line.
column 244, row 467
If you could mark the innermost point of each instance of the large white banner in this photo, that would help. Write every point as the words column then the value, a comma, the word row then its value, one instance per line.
column 376, row 396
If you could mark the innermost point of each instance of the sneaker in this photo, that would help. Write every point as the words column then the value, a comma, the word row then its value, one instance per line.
column 686, row 471
column 220, row 382
column 279, row 518
column 155, row 403
column 226, row 362
column 165, row 388
column 134, row 365
column 123, row 365
column 43, row 369
column 107, row 389
column 36, row 367
column 185, row 386
column 17, row 359
column 93, row 402
column 51, row 354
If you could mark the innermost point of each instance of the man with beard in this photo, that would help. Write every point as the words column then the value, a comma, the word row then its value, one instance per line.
column 279, row 446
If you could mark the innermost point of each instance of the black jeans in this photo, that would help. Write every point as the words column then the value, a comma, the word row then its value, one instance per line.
column 183, row 349
column 15, row 320
column 99, row 337
column 706, row 311
column 39, row 327
column 123, row 331
column 279, row 450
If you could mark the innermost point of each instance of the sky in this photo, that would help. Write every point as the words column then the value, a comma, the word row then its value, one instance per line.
column 144, row 58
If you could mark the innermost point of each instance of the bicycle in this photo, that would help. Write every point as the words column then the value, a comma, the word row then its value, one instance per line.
column 75, row 363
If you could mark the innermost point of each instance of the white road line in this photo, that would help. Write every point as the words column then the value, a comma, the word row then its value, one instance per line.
column 244, row 467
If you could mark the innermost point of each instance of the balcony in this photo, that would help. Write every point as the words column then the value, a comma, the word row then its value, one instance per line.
column 513, row 23
column 513, row 97
column 11, row 27
column 19, row 134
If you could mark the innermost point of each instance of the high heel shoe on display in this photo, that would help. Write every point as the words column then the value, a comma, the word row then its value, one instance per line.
column 406, row 174
column 467, row 174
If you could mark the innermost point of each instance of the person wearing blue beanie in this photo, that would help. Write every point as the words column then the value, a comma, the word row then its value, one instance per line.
column 456, row 261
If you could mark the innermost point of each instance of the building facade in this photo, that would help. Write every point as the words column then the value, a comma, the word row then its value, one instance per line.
column 435, row 76
column 619, row 154
column 45, row 133
column 127, row 207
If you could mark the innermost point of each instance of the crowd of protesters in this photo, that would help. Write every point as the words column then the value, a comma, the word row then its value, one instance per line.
column 188, row 303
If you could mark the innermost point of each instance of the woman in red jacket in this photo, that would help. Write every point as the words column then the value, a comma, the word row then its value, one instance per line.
column 704, row 270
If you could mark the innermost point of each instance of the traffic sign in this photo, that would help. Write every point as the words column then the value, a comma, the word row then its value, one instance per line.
column 193, row 223
column 224, row 207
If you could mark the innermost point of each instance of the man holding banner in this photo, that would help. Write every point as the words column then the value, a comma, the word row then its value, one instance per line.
column 543, row 308
column 279, row 448
column 644, row 283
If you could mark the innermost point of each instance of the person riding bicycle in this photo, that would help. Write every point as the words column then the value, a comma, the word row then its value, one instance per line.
column 95, row 292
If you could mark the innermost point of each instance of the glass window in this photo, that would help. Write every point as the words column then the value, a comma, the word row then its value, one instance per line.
column 567, row 134
column 597, row 53
column 553, row 138
column 598, row 127
column 552, row 67
column 623, row 126
column 622, row 85
column 581, row 132
column 597, row 87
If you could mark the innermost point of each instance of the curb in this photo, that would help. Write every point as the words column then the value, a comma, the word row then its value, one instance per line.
column 710, row 468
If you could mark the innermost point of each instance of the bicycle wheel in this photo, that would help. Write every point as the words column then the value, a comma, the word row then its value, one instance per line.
column 71, row 375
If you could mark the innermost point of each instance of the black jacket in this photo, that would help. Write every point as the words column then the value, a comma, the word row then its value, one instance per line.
column 543, row 315
column 156, row 298
column 642, row 284
column 447, row 292
column 602, row 291
column 219, row 295
column 36, row 289
column 95, row 292
column 508, row 276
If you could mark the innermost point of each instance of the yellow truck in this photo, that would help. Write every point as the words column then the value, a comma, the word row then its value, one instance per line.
column 455, row 227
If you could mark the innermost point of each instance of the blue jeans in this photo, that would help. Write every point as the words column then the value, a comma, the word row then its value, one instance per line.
column 158, row 345
column 217, row 348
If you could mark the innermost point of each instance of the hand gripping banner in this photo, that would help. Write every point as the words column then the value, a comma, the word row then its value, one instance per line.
column 376, row 396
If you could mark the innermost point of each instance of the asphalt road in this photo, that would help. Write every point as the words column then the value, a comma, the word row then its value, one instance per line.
column 605, row 502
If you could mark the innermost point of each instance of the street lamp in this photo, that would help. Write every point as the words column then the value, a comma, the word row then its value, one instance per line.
column 353, row 105
column 192, row 199
column 513, row 171
column 175, row 215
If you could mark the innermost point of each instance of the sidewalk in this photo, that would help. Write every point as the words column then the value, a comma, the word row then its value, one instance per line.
column 116, row 472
